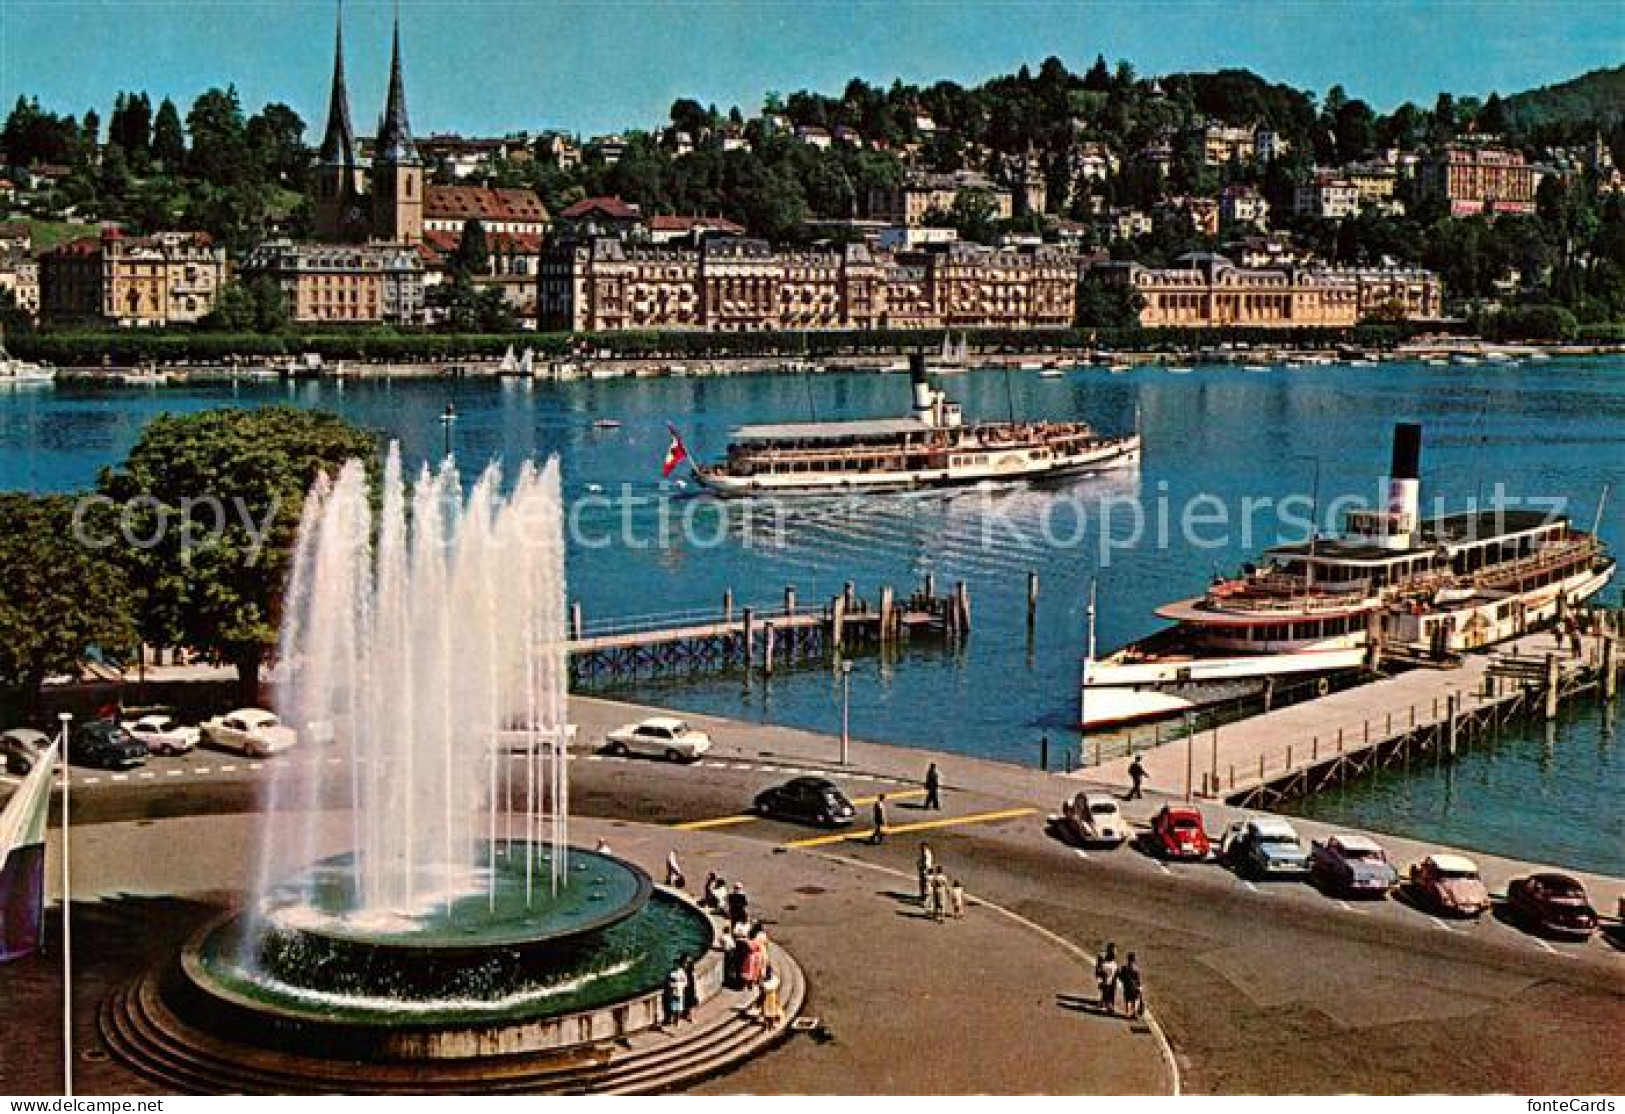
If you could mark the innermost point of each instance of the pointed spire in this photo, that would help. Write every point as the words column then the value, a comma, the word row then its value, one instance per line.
column 338, row 145
column 394, row 133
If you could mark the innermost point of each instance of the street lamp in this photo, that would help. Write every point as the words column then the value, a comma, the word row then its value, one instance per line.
column 846, row 709
column 448, row 418
column 66, row 718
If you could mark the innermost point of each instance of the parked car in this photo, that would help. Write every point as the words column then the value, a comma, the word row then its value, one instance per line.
column 1352, row 865
column 1177, row 832
column 807, row 800
column 659, row 737
column 251, row 731
column 1094, row 818
column 1264, row 847
column 1449, row 884
column 21, row 747
column 162, row 733
column 105, row 745
column 1552, row 905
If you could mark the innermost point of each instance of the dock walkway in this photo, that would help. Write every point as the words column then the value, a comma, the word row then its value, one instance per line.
column 1302, row 747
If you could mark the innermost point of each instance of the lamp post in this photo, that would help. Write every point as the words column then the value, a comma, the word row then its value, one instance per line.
column 448, row 418
column 846, row 709
column 66, row 718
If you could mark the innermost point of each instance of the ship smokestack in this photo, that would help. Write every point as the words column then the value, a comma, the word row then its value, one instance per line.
column 925, row 401
column 1405, row 486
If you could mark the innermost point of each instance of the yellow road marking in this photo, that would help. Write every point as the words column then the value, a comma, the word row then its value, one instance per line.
column 747, row 817
column 904, row 829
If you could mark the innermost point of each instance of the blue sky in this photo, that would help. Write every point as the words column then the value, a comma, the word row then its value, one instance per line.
column 491, row 66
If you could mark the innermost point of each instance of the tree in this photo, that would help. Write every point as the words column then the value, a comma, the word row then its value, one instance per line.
column 63, row 599
column 1107, row 305
column 472, row 256
column 234, row 310
column 1099, row 78
column 168, row 140
column 275, row 139
column 210, row 583
column 219, row 153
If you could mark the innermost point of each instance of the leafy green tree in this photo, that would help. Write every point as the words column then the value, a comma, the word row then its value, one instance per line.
column 219, row 153
column 62, row 598
column 270, row 308
column 234, row 310
column 275, row 139
column 472, row 255
column 216, row 585
column 1107, row 305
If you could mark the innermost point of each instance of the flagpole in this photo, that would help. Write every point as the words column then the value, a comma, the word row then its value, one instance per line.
column 67, row 918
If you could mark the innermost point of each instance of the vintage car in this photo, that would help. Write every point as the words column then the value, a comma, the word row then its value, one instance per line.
column 1552, row 905
column 1450, row 884
column 105, row 745
column 1177, row 833
column 1094, row 818
column 251, row 731
column 162, row 733
column 659, row 737
column 806, row 800
column 1264, row 847
column 1351, row 865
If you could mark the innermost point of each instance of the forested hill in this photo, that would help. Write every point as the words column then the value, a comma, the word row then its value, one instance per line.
column 1598, row 95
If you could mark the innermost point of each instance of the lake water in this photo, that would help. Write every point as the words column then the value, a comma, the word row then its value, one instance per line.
column 1224, row 448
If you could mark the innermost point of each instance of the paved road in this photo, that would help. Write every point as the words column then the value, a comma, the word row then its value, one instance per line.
column 1268, row 988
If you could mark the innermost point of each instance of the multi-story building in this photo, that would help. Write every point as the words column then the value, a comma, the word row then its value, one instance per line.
column 1374, row 182
column 1127, row 224
column 737, row 284
column 1209, row 291
column 19, row 277
column 1222, row 144
column 920, row 195
column 168, row 278
column 1327, row 197
column 1198, row 214
column 667, row 229
column 602, row 216
column 1474, row 180
column 516, row 211
column 1240, row 204
column 343, row 283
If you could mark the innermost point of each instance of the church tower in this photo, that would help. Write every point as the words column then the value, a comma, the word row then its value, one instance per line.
column 397, row 170
column 338, row 206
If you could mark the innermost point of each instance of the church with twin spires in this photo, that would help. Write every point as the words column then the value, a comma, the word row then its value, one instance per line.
column 356, row 200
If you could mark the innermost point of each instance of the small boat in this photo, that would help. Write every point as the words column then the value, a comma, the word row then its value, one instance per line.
column 1255, row 367
column 601, row 372
column 606, row 423
column 148, row 376
column 1030, row 365
column 1498, row 358
column 1052, row 373
column 20, row 373
column 1178, row 369
column 1540, row 355
column 1462, row 360
column 1436, row 361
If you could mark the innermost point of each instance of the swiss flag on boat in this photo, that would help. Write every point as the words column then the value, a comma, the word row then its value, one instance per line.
column 675, row 454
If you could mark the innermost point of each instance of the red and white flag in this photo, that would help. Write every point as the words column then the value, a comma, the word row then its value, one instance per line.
column 676, row 454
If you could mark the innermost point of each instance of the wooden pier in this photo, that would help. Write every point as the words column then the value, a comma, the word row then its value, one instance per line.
column 760, row 638
column 1418, row 714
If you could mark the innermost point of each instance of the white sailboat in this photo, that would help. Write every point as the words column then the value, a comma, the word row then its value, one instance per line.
column 527, row 362
column 954, row 356
column 509, row 365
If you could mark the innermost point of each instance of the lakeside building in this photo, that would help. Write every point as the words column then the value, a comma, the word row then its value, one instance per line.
column 1209, row 291
column 168, row 278
column 1474, row 180
column 735, row 284
column 343, row 283
column 921, row 195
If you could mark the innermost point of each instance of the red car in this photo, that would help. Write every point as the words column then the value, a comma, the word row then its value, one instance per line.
column 1177, row 833
column 1552, row 905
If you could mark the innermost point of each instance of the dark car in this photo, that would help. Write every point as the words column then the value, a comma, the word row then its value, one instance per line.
column 1553, row 905
column 104, row 744
column 807, row 800
column 21, row 748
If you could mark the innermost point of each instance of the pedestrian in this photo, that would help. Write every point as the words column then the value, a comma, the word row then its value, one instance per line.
column 603, row 847
column 738, row 904
column 956, row 895
column 755, row 956
column 878, row 836
column 1574, row 640
column 939, row 895
column 737, row 944
column 716, row 892
column 691, row 991
column 674, row 872
column 676, row 994
column 1128, row 977
column 933, row 787
column 924, row 865
column 1106, row 978
column 772, row 1006
column 1136, row 773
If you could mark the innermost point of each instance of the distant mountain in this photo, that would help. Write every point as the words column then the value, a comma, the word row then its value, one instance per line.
column 1598, row 95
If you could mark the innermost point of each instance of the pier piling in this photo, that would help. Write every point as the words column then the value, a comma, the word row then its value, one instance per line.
column 1553, row 684
column 767, row 648
column 1610, row 667
column 575, row 619
column 728, row 605
column 1032, row 599
column 750, row 637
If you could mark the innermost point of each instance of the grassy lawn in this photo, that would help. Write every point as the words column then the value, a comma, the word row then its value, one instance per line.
column 49, row 233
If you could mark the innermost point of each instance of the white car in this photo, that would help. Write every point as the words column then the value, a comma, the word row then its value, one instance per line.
column 660, row 737
column 1094, row 818
column 163, row 734
column 251, row 731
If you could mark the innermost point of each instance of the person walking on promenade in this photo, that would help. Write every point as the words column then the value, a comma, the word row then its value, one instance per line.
column 924, row 865
column 772, row 1006
column 1106, row 978
column 691, row 989
column 956, row 896
column 939, row 895
column 674, row 871
column 1128, row 977
column 878, row 836
column 738, row 904
column 933, row 788
column 676, row 994
column 1136, row 773
column 714, row 893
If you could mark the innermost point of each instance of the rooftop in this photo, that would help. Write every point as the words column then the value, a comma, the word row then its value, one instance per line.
column 862, row 429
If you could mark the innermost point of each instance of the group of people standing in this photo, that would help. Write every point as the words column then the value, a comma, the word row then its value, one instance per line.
column 941, row 897
column 1114, row 978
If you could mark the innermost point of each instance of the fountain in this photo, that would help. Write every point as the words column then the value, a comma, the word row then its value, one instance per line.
column 423, row 665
